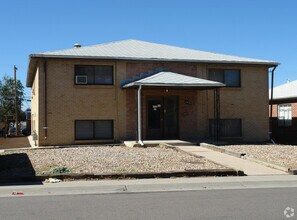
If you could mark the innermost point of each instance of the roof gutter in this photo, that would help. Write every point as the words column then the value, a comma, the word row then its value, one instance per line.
column 260, row 62
column 34, row 57
column 45, row 99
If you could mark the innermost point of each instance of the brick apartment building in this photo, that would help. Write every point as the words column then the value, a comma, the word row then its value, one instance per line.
column 136, row 90
column 284, row 113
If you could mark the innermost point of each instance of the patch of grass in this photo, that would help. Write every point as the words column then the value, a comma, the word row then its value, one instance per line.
column 119, row 170
column 59, row 170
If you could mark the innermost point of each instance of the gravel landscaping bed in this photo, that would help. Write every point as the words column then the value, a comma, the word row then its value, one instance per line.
column 283, row 155
column 115, row 159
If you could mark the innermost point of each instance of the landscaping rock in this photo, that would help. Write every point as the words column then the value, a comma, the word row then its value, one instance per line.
column 115, row 159
column 282, row 155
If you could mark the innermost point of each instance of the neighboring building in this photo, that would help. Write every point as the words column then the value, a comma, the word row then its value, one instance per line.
column 2, row 126
column 284, row 113
column 134, row 90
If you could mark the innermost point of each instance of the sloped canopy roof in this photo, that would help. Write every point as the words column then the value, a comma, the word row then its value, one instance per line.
column 140, row 50
column 285, row 91
column 170, row 79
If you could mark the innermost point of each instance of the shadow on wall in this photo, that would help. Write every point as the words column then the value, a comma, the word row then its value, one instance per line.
column 16, row 167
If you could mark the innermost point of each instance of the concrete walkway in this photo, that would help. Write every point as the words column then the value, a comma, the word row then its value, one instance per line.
column 248, row 167
column 14, row 142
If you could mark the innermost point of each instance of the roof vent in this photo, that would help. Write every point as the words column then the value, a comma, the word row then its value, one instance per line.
column 77, row 45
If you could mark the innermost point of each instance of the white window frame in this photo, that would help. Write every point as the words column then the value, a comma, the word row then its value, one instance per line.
column 284, row 114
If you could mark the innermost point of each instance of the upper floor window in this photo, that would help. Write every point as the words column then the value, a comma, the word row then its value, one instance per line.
column 284, row 115
column 229, row 77
column 93, row 74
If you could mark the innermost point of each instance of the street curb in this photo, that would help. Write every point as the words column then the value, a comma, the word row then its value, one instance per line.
column 292, row 171
column 144, row 175
column 221, row 150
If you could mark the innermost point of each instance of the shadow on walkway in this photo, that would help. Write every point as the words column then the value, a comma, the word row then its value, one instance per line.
column 16, row 168
column 14, row 142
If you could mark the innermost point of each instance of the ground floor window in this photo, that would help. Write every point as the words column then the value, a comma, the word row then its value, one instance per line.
column 93, row 129
column 285, row 115
column 227, row 128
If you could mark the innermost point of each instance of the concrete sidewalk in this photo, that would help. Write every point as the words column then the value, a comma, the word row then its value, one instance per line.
column 248, row 167
column 148, row 185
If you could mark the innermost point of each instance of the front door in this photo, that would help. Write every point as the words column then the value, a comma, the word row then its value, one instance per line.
column 162, row 118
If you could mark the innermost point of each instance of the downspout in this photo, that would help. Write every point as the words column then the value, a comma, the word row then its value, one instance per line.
column 218, row 98
column 45, row 100
column 139, row 115
column 271, row 103
column 214, row 117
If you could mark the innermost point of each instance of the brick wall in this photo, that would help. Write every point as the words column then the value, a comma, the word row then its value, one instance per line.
column 135, row 69
column 68, row 102
column 293, row 107
column 285, row 134
column 35, row 105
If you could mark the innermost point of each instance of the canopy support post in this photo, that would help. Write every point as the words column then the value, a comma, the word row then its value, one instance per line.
column 139, row 140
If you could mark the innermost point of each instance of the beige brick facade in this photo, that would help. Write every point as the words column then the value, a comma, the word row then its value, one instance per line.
column 67, row 102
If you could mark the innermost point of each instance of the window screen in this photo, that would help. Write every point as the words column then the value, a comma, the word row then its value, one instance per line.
column 84, row 130
column 93, row 129
column 227, row 127
column 104, row 129
column 232, row 78
column 96, row 75
column 216, row 75
column 285, row 115
column 229, row 77
column 103, row 75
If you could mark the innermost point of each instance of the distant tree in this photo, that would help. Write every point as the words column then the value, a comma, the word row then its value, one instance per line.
column 7, row 99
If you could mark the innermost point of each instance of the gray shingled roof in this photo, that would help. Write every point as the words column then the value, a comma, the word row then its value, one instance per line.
column 170, row 79
column 285, row 91
column 141, row 50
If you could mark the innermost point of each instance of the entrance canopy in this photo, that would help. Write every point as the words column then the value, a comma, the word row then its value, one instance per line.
column 170, row 79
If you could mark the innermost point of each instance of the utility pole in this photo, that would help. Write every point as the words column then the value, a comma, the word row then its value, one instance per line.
column 16, row 101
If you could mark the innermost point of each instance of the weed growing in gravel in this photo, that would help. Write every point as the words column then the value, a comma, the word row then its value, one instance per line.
column 119, row 170
column 58, row 170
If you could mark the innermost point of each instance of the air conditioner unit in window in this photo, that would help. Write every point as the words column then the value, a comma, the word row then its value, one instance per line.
column 81, row 79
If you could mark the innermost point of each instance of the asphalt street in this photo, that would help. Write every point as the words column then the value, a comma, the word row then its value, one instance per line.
column 202, row 204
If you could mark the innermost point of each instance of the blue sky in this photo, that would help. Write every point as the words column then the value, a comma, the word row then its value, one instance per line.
column 265, row 29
